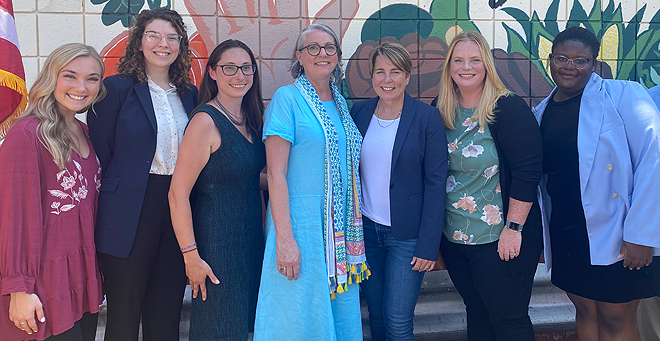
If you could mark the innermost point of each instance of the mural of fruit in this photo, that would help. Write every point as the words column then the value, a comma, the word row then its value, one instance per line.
column 630, row 49
column 628, row 53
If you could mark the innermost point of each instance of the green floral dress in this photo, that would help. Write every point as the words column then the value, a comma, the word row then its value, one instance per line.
column 474, row 199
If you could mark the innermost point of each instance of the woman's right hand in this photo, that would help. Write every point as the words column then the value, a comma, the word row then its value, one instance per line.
column 197, row 270
column 635, row 256
column 22, row 308
column 288, row 258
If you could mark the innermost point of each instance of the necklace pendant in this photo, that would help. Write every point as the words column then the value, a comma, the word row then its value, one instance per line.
column 228, row 114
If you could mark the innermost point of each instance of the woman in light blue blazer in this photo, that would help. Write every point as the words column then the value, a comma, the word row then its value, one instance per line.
column 601, row 145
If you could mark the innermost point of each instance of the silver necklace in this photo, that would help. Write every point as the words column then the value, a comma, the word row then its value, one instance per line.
column 378, row 119
column 229, row 115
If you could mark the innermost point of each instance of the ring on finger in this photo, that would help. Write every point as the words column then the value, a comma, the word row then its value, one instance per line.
column 512, row 254
column 281, row 268
column 24, row 322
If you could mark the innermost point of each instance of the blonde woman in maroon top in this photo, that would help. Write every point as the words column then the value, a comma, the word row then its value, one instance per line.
column 50, row 285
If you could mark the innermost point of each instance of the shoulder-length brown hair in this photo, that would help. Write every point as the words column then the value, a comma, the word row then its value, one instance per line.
column 132, row 62
column 253, row 104
column 493, row 86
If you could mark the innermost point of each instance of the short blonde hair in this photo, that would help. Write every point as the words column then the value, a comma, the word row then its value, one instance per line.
column 492, row 91
column 396, row 54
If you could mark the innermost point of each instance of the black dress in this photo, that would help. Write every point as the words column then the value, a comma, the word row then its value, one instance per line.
column 571, row 262
column 228, row 227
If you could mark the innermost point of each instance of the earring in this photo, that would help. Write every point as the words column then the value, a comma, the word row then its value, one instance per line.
column 336, row 73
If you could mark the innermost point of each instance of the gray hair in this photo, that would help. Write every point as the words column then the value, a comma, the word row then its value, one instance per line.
column 297, row 69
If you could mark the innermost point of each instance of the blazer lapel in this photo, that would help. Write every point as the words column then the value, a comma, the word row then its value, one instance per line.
column 592, row 108
column 407, row 116
column 144, row 95
column 187, row 101
column 364, row 117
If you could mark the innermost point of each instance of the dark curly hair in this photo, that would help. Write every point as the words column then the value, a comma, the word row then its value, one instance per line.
column 132, row 62
column 253, row 103
column 579, row 34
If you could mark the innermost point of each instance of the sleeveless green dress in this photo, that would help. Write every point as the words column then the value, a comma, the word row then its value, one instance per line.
column 227, row 220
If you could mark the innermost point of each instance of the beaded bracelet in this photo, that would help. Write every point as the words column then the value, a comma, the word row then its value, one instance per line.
column 188, row 247
column 190, row 250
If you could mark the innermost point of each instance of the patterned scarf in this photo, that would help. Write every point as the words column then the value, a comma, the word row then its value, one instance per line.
column 343, row 240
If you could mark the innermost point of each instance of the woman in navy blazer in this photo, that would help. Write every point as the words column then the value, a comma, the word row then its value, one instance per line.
column 136, row 132
column 403, row 168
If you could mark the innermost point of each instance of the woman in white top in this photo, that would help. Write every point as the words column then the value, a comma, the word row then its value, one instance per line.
column 403, row 167
column 136, row 132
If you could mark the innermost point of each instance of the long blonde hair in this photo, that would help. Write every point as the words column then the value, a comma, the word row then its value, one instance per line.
column 42, row 105
column 493, row 86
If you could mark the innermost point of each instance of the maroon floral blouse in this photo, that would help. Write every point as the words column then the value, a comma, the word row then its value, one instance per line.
column 47, row 221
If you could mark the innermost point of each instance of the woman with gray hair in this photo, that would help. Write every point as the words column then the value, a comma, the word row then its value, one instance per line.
column 314, row 254
column 404, row 169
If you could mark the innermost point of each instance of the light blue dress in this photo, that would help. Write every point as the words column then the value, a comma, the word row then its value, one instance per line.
column 302, row 309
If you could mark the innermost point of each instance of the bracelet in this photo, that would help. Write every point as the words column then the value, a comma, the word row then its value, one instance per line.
column 188, row 247
column 191, row 250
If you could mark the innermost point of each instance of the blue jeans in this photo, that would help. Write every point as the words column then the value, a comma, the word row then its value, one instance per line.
column 392, row 289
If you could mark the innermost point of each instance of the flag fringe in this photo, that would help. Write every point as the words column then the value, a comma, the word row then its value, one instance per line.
column 10, row 80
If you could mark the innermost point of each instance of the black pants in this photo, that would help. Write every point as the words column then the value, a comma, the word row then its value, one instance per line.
column 82, row 330
column 150, row 283
column 497, row 301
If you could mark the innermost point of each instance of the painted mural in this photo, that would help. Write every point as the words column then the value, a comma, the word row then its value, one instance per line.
column 521, row 40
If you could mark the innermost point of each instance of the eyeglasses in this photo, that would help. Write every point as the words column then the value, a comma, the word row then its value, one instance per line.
column 230, row 70
column 155, row 37
column 315, row 49
column 562, row 61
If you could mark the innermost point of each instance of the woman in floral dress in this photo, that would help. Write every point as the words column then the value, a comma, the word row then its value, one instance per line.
column 50, row 285
column 494, row 169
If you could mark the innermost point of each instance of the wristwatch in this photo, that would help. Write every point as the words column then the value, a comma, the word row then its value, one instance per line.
column 512, row 225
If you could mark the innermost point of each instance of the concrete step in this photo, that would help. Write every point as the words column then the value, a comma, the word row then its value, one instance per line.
column 440, row 312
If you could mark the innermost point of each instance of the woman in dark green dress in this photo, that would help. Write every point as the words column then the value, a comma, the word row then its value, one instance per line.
column 221, row 156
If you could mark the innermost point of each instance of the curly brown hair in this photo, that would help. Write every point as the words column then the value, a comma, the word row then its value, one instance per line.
column 132, row 62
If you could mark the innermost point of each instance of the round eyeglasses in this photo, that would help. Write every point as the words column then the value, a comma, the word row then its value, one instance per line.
column 230, row 70
column 155, row 37
column 562, row 61
column 315, row 49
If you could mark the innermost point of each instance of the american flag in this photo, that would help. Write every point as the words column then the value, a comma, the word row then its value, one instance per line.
column 13, row 92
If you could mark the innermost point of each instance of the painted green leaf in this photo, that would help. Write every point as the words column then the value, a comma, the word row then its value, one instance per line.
column 551, row 18
column 516, row 13
column 397, row 20
column 516, row 42
column 595, row 14
column 608, row 13
column 577, row 13
column 445, row 12
column 655, row 77
column 156, row 4
column 444, row 9
column 655, row 21
column 119, row 10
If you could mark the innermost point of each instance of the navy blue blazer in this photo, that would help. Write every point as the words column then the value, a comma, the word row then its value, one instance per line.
column 123, row 129
column 418, row 173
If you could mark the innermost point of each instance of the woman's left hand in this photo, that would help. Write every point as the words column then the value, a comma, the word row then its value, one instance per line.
column 509, row 244
column 422, row 265
column 635, row 255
